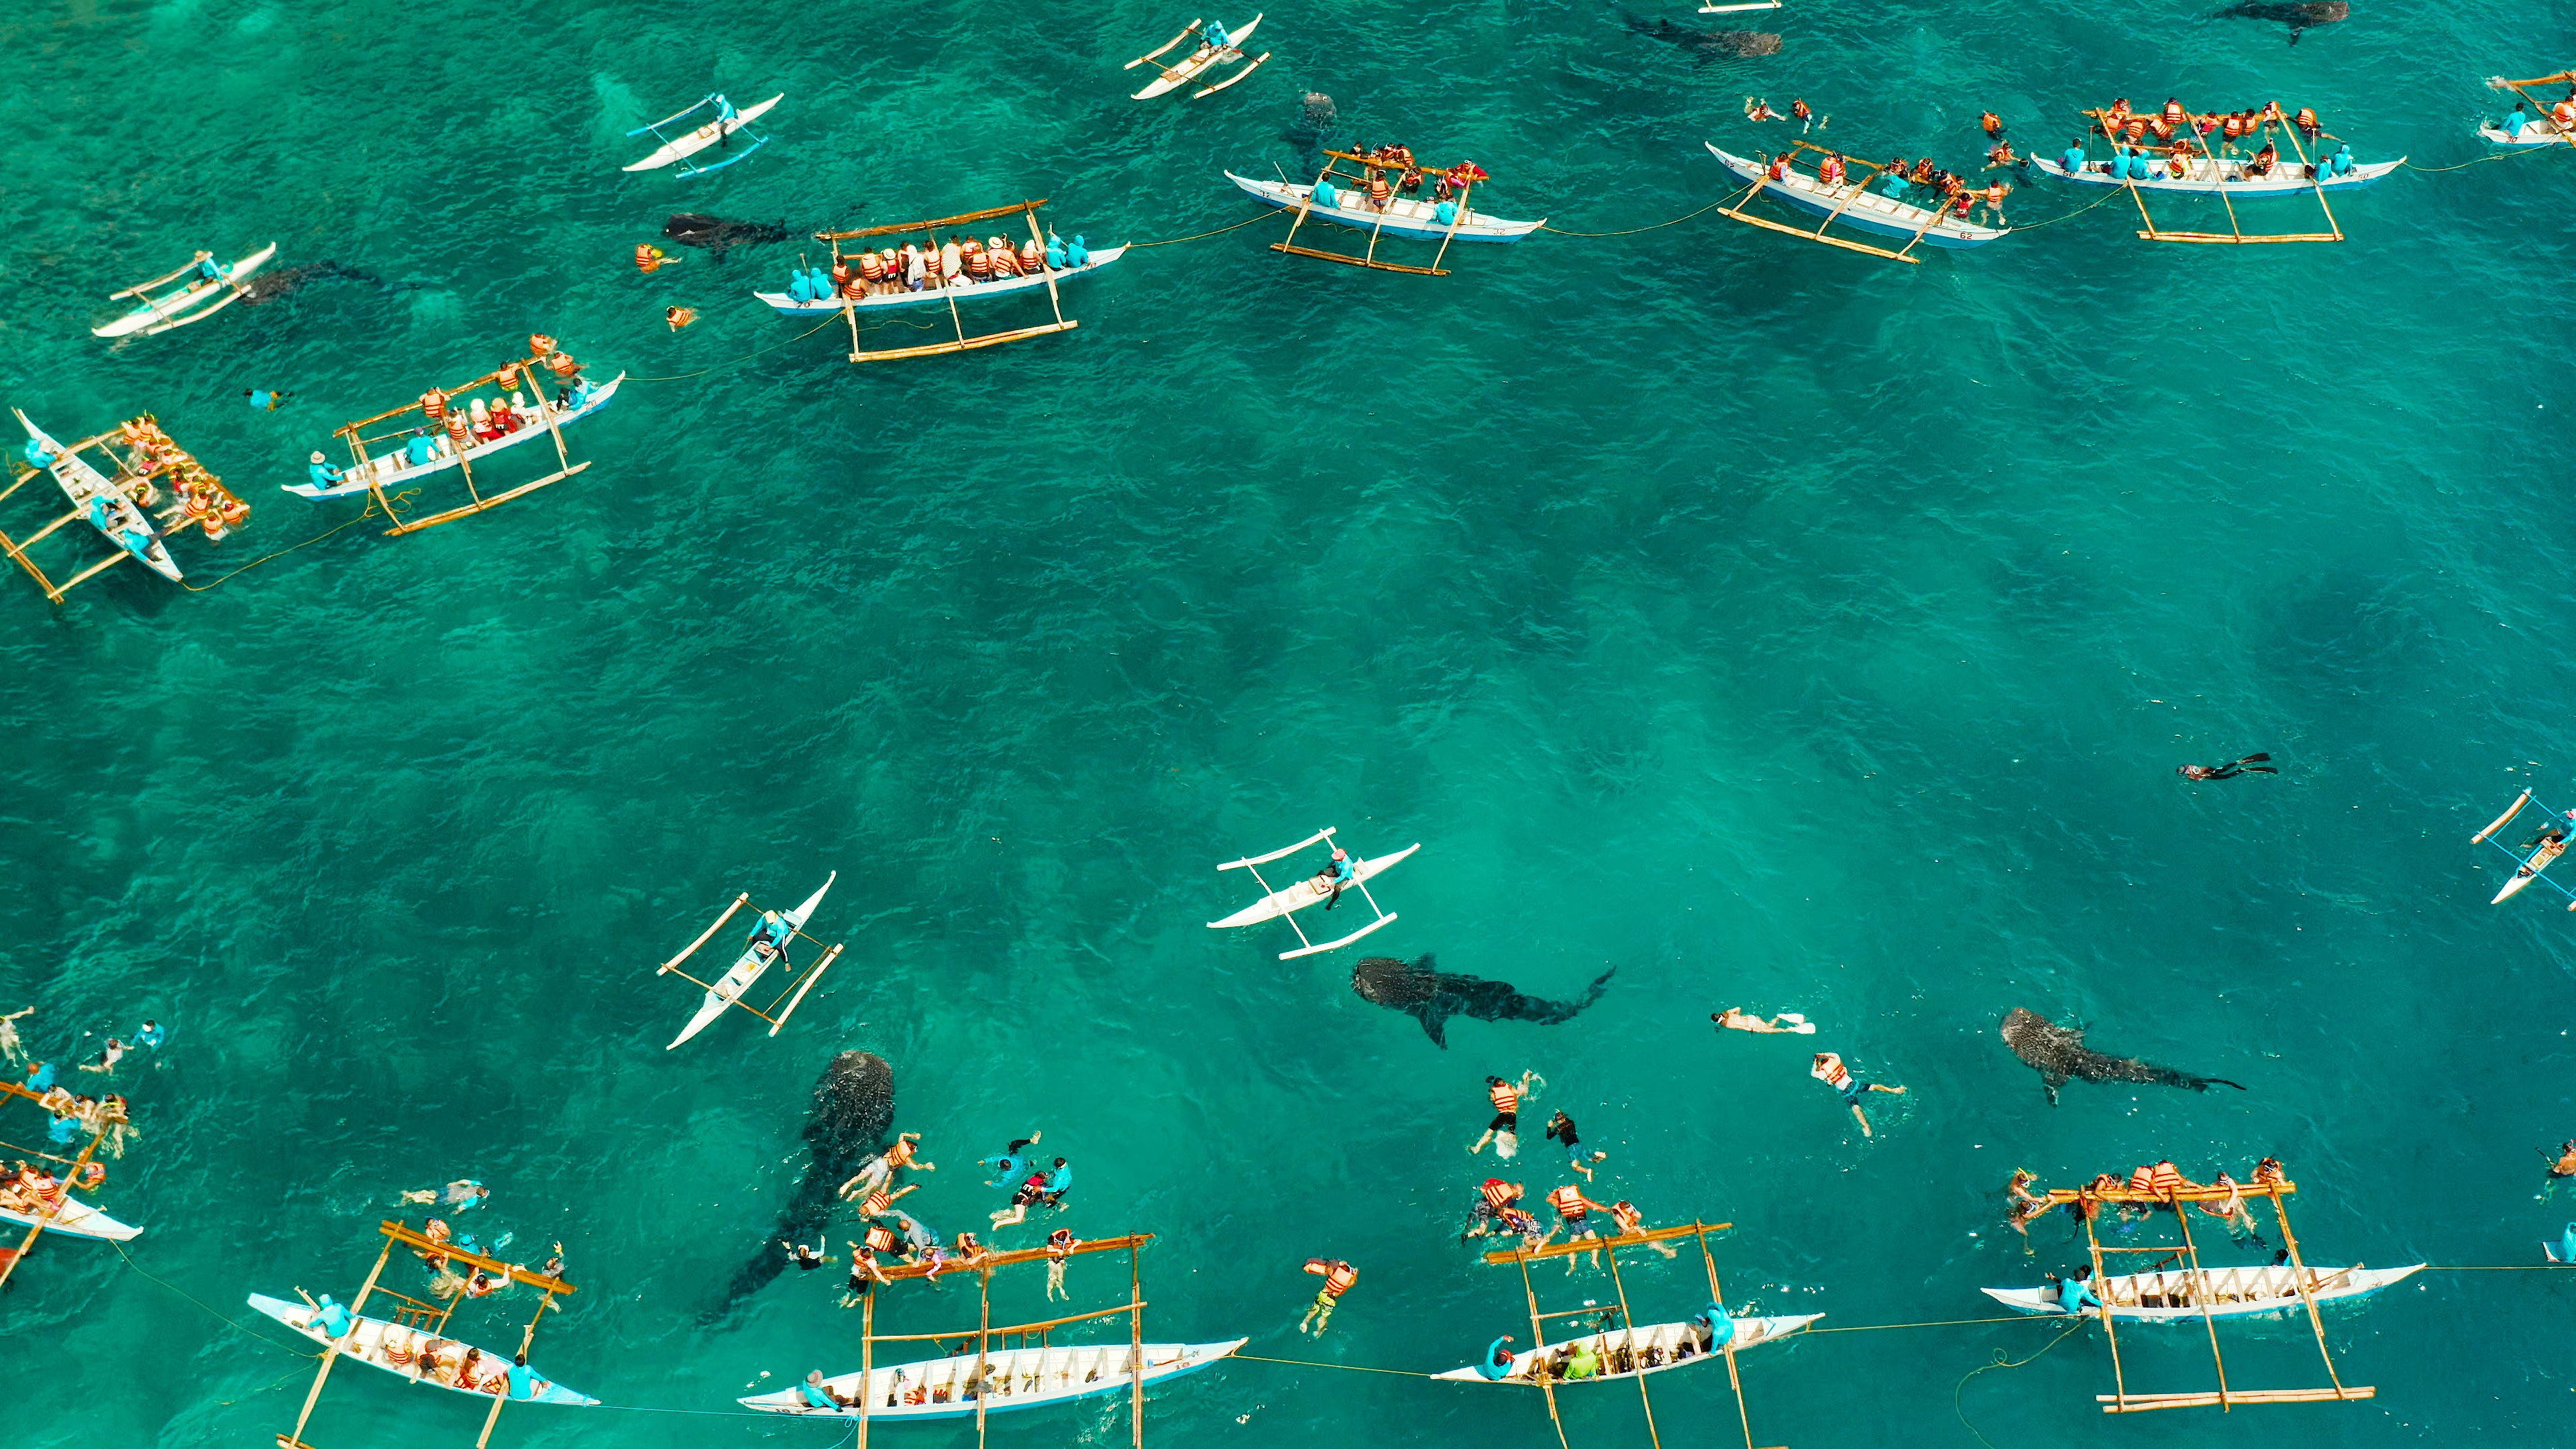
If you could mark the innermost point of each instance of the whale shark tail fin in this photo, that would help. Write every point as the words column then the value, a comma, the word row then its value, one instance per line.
column 1599, row 984
column 2209, row 1082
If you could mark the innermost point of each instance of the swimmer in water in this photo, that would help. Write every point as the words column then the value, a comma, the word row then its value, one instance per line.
column 1059, row 1245
column 1560, row 1128
column 2560, row 1170
column 10, row 1045
column 1829, row 1069
column 806, row 1259
column 2024, row 1205
column 1736, row 1018
column 2250, row 765
column 1012, row 1164
column 1504, row 1129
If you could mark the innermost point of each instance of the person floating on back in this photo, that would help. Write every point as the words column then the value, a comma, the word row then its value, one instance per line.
column 1829, row 1069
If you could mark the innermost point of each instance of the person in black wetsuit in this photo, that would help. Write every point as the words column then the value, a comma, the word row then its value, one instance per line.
column 1561, row 1128
column 2250, row 765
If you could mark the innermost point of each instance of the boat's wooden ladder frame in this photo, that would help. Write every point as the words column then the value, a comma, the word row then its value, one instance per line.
column 965, row 341
column 800, row 979
column 1132, row 1244
column 11, row 1258
column 1609, row 1248
column 120, row 473
column 1305, row 946
column 532, row 373
column 417, row 1314
column 1905, row 254
column 2541, row 111
column 2122, row 1401
column 2236, row 234
column 1370, row 167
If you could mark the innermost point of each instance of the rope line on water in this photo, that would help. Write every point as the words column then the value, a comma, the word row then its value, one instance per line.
column 1220, row 231
column 243, row 1329
column 403, row 497
column 2498, row 156
column 1959, row 1407
column 1318, row 1363
column 1632, row 231
column 1935, row 1323
column 2110, row 195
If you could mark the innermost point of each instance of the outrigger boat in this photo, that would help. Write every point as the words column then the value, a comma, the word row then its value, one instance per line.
column 415, row 1343
column 460, row 427
column 768, row 947
column 1297, row 896
column 1627, row 1353
column 1851, row 202
column 119, row 495
column 2534, row 855
column 1370, row 204
column 2549, row 124
column 208, row 288
column 41, row 1206
column 718, row 131
column 74, row 1219
column 2177, row 1296
column 2222, row 175
column 2181, row 137
column 961, row 1385
column 869, row 281
column 1217, row 46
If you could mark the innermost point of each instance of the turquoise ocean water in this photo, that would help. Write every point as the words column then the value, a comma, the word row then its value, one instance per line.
column 1782, row 627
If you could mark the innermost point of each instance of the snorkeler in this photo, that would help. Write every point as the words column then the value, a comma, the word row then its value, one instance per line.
column 1013, row 1162
column 1561, row 1128
column 1736, row 1018
column 1829, row 1069
column 1503, row 1130
column 2250, row 765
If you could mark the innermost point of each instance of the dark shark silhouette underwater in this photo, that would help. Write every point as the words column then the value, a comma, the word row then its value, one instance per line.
column 852, row 1117
column 1431, row 996
column 2061, row 1056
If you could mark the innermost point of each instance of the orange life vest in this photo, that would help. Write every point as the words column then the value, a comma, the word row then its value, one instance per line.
column 1568, row 1202
column 1498, row 1193
column 1506, row 1097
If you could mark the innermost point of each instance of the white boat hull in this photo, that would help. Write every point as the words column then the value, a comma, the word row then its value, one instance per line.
column 1679, row 1345
column 940, row 296
column 196, row 302
column 1304, row 893
column 1404, row 216
column 1186, row 70
column 1851, row 204
column 373, row 1341
column 391, row 470
column 2540, row 132
column 2226, row 176
column 76, row 1220
column 2167, row 1297
column 704, row 136
column 746, row 969
column 1023, row 1378
column 82, row 482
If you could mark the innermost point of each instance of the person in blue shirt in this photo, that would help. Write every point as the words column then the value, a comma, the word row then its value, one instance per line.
column 151, row 1035
column 64, row 1129
column 2075, row 1295
column 1055, row 251
column 726, row 120
column 524, row 1383
column 1217, row 39
column 2565, row 1251
column 210, row 269
column 1077, row 255
column 319, row 470
column 800, row 286
column 2073, row 159
column 1498, row 1359
column 1721, row 1329
column 2342, row 162
column 261, row 397
column 334, row 1319
column 1058, row 1183
column 1336, row 875
column 1007, row 1168
column 38, row 455
column 40, row 1076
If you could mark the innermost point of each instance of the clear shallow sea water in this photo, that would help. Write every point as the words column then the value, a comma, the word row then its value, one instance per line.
column 1782, row 627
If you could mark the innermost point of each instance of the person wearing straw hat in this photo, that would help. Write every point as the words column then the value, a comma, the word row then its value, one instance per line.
column 321, row 472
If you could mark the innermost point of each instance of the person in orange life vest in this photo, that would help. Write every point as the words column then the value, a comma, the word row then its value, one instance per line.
column 1338, row 1277
column 1506, row 1097
column 1829, row 1069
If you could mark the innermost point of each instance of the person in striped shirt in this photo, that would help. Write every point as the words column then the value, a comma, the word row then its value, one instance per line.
column 1574, row 1212
column 1496, row 1201
column 1503, row 1131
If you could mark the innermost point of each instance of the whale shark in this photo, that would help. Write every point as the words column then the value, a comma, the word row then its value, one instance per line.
column 2061, row 1056
column 697, row 229
column 1432, row 996
column 1703, row 46
column 2300, row 15
column 853, row 1115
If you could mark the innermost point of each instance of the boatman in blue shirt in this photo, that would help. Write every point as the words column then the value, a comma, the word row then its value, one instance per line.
column 209, row 268
column 726, row 122
column 1336, row 875
column 333, row 1319
column 2073, row 159
column 1721, row 1329
column 1217, row 39
column 819, row 1395
column 1498, row 1359
column 524, row 1383
column 321, row 472
column 151, row 1035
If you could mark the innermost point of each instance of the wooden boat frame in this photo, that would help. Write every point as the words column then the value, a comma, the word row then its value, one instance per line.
column 1306, row 946
column 120, row 473
column 2225, row 1398
column 531, row 372
column 1370, row 166
column 427, row 1317
column 2540, row 111
column 1609, row 1248
column 1904, row 254
column 1132, row 1244
column 10, row 1258
column 742, row 129
column 2236, row 234
column 965, row 342
column 800, row 979
column 2521, row 862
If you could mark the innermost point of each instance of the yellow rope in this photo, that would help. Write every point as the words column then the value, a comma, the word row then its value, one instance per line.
column 1220, row 231
column 2111, row 195
column 1959, row 1407
column 201, row 1303
column 1632, row 231
column 1937, row 1323
column 370, row 512
column 1315, row 1363
column 2498, row 156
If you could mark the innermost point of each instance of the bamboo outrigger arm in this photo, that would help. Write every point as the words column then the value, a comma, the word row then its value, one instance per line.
column 139, row 288
column 1587, row 1245
column 960, row 219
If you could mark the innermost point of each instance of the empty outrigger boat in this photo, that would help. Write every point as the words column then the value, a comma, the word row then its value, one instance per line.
column 1850, row 202
column 1019, row 1378
column 1629, row 1353
column 2548, row 125
column 209, row 287
column 1368, row 203
column 1298, row 895
column 1217, row 46
column 2179, row 1296
column 403, row 1352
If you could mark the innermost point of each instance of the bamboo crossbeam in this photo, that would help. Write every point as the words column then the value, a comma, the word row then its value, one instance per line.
column 401, row 1234
column 1385, row 165
column 480, row 504
column 2499, row 83
column 989, row 339
column 139, row 288
column 1588, row 1245
column 2189, row 1194
column 1832, row 241
column 1018, row 1256
column 349, row 429
column 1297, row 251
column 1004, row 1330
column 2145, row 1403
column 2209, row 236
column 960, row 219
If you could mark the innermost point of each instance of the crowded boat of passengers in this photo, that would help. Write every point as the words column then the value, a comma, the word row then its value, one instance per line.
column 959, row 262
column 416, row 1355
column 1410, row 176
column 2177, row 148
column 1917, row 182
column 198, row 499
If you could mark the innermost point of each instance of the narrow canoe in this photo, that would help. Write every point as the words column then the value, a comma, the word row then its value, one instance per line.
column 2227, row 175
column 1020, row 1378
column 82, row 482
column 1404, row 216
column 1186, row 70
column 747, row 968
column 2536, row 131
column 392, row 469
column 76, row 1220
column 195, row 302
column 704, row 136
column 1859, row 207
column 1648, row 1349
column 396, row 1350
column 1304, row 893
column 962, row 291
column 2170, row 1297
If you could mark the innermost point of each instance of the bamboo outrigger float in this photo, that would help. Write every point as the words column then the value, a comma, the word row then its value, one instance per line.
column 121, row 497
column 1370, row 204
column 995, row 1379
column 1764, row 1329
column 2225, row 177
column 413, row 1343
column 458, row 427
column 2204, row 1294
column 2551, row 122
column 58, row 1209
column 854, row 297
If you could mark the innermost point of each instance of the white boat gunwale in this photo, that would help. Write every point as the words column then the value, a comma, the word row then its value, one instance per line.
column 2238, row 188
column 1750, row 1333
column 1109, row 1369
column 2244, row 1291
column 1865, row 210
column 936, row 296
column 365, row 1341
column 194, row 302
column 389, row 469
column 689, row 143
column 76, row 1219
column 1189, row 67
